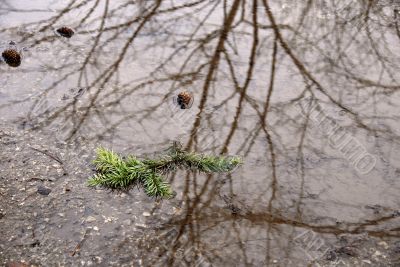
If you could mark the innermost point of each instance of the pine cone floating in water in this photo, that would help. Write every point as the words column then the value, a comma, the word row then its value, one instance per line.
column 65, row 32
column 12, row 57
column 184, row 100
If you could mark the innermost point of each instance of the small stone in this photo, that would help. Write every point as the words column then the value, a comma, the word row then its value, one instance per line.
column 176, row 210
column 96, row 228
column 43, row 190
column 127, row 222
column 377, row 254
column 146, row 214
column 90, row 219
column 140, row 225
column 383, row 244
column 61, row 214
column 331, row 255
column 108, row 219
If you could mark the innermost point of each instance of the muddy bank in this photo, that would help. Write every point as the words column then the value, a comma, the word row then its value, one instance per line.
column 49, row 217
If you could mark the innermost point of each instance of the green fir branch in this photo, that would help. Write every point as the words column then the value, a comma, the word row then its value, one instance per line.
column 115, row 173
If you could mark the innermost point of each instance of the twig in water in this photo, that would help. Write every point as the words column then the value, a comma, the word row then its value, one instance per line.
column 116, row 173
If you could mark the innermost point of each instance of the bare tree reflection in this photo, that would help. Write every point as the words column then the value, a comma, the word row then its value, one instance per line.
column 253, row 63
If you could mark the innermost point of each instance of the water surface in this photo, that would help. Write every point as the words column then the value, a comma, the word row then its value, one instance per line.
column 307, row 93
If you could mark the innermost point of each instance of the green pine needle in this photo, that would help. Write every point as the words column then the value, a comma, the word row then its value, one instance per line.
column 115, row 173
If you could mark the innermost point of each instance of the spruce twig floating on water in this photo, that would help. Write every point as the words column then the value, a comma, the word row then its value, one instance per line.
column 116, row 173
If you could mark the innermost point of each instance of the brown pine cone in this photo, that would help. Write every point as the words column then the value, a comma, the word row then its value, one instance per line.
column 184, row 100
column 12, row 57
column 65, row 32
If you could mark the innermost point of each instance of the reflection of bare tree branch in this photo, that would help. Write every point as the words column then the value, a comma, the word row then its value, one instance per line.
column 214, row 63
column 129, row 58
column 248, row 78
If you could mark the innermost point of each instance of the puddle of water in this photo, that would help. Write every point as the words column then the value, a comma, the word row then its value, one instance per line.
column 306, row 94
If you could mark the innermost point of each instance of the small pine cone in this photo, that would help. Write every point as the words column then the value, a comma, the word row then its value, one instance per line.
column 184, row 99
column 65, row 32
column 12, row 57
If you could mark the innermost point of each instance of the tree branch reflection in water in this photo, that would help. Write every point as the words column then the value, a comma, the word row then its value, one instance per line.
column 253, row 61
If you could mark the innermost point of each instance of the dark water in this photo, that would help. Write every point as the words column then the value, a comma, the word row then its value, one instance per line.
column 307, row 92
